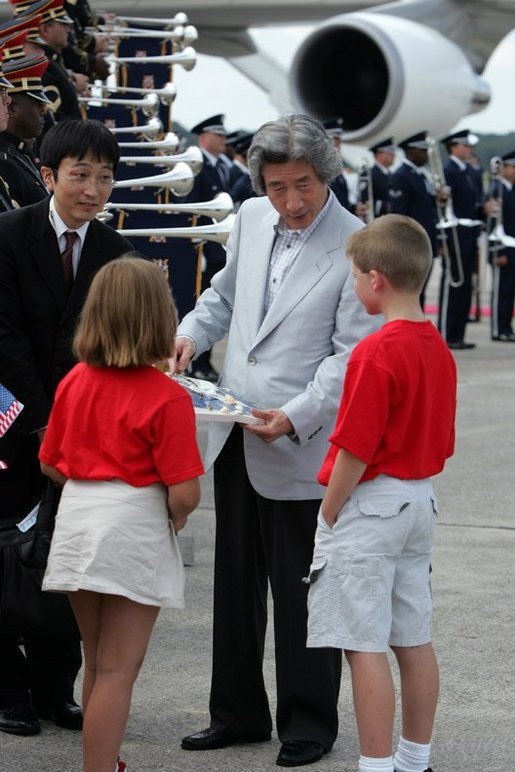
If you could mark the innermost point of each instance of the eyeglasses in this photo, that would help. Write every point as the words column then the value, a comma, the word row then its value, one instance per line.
column 82, row 180
column 4, row 94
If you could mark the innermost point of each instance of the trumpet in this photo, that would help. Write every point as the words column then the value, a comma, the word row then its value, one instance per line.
column 166, row 94
column 170, row 142
column 180, row 19
column 365, row 189
column 179, row 180
column 218, row 232
column 149, row 105
column 497, row 236
column 447, row 220
column 186, row 58
column 220, row 207
column 152, row 128
column 192, row 156
column 182, row 35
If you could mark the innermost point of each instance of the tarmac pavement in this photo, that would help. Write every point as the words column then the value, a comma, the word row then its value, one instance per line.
column 473, row 632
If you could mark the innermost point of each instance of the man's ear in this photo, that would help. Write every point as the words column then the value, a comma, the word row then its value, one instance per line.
column 11, row 110
column 48, row 177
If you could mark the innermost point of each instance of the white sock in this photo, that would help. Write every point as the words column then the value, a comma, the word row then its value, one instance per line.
column 411, row 757
column 369, row 764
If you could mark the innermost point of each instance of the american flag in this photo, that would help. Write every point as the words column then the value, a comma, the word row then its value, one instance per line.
column 10, row 408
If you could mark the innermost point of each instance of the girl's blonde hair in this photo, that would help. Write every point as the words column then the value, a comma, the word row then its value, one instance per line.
column 129, row 318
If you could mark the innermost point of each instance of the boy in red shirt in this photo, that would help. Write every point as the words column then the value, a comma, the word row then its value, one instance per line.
column 395, row 428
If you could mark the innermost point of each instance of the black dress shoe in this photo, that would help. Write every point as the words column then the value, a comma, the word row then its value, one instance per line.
column 298, row 753
column 19, row 719
column 505, row 337
column 212, row 738
column 68, row 715
column 460, row 345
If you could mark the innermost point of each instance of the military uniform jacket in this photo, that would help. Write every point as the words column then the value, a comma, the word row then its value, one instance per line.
column 37, row 321
column 380, row 190
column 498, row 189
column 207, row 184
column 409, row 194
column 19, row 170
column 467, row 199
column 59, row 88
column 341, row 191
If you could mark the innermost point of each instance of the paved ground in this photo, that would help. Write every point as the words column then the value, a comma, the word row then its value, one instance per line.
column 474, row 629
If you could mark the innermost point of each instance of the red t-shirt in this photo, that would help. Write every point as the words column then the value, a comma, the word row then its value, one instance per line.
column 399, row 403
column 132, row 424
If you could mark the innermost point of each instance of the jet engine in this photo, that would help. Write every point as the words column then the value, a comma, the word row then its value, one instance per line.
column 385, row 76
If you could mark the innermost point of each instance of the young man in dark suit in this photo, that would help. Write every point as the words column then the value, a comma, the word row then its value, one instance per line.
column 45, row 274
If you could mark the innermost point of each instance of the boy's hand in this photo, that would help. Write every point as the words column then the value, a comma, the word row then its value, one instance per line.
column 179, row 522
column 329, row 519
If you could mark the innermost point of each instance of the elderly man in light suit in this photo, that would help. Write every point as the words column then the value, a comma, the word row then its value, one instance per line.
column 286, row 301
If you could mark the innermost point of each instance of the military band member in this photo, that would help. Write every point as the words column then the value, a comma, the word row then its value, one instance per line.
column 52, row 38
column 6, row 203
column 411, row 190
column 384, row 157
column 334, row 128
column 26, row 119
column 467, row 198
column 212, row 179
column 503, row 256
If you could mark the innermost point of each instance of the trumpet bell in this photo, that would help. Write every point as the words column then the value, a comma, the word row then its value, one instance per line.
column 179, row 180
column 218, row 232
column 169, row 143
column 192, row 156
column 152, row 128
column 220, row 207
column 149, row 105
column 186, row 58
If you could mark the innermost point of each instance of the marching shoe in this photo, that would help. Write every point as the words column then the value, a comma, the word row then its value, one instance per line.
column 460, row 345
column 505, row 338
column 212, row 738
column 67, row 715
column 19, row 719
column 298, row 753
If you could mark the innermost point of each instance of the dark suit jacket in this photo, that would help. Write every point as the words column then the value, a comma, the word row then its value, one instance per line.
column 409, row 195
column 380, row 190
column 37, row 321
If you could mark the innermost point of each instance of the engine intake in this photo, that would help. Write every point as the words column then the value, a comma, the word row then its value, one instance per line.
column 384, row 76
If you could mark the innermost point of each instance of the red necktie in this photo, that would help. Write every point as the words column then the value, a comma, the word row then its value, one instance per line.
column 67, row 259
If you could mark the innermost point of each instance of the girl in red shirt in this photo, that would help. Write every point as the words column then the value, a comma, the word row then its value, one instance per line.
column 121, row 439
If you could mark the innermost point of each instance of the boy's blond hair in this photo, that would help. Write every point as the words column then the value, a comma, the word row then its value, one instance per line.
column 129, row 317
column 396, row 246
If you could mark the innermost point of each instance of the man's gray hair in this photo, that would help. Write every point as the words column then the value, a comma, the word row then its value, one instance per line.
column 293, row 138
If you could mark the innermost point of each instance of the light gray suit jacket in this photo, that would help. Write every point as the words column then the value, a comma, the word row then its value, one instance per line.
column 293, row 358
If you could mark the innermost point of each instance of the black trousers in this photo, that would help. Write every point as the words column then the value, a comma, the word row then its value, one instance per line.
column 260, row 540
column 46, row 671
column 503, row 297
column 43, row 675
column 454, row 302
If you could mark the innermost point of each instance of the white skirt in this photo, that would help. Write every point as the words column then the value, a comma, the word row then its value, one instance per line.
column 113, row 538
